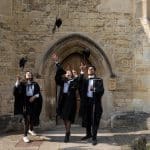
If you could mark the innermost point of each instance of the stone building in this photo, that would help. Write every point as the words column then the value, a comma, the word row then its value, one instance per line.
column 116, row 32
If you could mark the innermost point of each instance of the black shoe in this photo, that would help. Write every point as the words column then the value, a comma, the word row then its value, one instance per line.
column 86, row 137
column 66, row 139
column 94, row 142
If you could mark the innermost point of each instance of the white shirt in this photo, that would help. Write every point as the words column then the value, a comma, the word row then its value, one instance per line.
column 29, row 89
column 17, row 83
column 90, row 86
column 66, row 86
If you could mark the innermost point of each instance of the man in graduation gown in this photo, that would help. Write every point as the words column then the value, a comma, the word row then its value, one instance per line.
column 91, row 90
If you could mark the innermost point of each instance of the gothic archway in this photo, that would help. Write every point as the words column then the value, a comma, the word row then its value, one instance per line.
column 70, row 41
column 64, row 47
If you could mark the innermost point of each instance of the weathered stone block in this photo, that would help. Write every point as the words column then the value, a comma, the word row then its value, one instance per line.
column 11, row 123
column 115, row 6
column 129, row 120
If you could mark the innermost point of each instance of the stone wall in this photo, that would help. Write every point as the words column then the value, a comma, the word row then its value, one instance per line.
column 26, row 30
column 7, row 57
column 141, row 48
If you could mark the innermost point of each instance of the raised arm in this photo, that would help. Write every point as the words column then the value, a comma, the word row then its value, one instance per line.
column 59, row 70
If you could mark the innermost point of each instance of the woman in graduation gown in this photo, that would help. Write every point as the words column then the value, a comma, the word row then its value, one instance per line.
column 66, row 106
column 28, row 102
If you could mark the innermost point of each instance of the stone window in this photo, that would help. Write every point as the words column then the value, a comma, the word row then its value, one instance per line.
column 143, row 9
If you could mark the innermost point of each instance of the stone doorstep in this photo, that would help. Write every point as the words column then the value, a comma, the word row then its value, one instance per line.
column 104, row 139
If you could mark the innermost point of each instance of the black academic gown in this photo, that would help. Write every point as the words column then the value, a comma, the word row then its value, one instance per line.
column 66, row 105
column 99, row 91
column 21, row 106
column 37, row 104
column 19, row 96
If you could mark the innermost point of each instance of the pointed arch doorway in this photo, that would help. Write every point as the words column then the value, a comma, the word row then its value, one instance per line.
column 69, row 50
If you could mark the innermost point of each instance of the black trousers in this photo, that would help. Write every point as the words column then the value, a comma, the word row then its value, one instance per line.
column 28, row 124
column 28, row 116
column 93, row 119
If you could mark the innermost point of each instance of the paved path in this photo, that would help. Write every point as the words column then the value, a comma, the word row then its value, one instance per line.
column 53, row 140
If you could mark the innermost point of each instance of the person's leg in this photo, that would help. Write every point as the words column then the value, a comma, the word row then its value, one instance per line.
column 65, row 124
column 26, row 125
column 95, row 128
column 26, row 128
column 31, row 126
column 88, row 122
column 68, row 126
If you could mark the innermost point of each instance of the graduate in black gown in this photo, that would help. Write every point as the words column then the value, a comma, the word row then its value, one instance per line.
column 91, row 91
column 28, row 102
column 66, row 106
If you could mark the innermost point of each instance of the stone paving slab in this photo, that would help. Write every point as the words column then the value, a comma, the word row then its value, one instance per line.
column 53, row 140
column 35, row 143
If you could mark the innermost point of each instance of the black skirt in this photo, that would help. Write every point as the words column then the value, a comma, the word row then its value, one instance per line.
column 68, row 108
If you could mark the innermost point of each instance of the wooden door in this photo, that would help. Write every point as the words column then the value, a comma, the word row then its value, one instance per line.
column 73, row 62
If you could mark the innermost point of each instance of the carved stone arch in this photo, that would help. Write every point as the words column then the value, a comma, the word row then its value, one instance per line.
column 66, row 46
column 72, row 40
